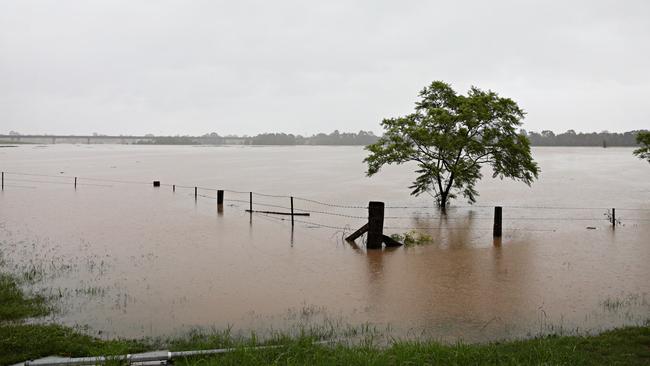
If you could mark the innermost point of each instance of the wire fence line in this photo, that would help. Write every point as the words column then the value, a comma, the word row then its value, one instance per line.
column 50, row 182
column 298, row 198
column 337, row 211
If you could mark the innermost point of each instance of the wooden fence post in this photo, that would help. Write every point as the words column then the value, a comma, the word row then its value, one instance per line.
column 156, row 183
column 173, row 187
column 3, row 181
column 250, row 202
column 219, row 202
column 614, row 218
column 291, row 211
column 496, row 232
column 374, row 228
column 75, row 182
column 196, row 193
column 375, row 225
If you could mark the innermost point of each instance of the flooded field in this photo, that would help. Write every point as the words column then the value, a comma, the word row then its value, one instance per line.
column 127, row 259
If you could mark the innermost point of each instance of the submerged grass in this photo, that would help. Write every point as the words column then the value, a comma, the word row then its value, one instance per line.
column 412, row 238
column 20, row 341
column 14, row 305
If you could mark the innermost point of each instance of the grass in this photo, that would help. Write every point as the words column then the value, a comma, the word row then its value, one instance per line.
column 13, row 303
column 412, row 238
column 20, row 341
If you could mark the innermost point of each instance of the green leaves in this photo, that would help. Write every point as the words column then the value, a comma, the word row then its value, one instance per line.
column 451, row 136
column 643, row 138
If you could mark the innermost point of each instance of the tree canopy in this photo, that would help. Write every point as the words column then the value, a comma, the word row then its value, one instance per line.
column 450, row 136
column 643, row 152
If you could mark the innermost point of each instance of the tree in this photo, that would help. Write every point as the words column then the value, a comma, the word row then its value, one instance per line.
column 450, row 137
column 547, row 133
column 643, row 139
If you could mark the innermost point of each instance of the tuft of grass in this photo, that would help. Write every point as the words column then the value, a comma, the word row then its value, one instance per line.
column 13, row 303
column 616, row 304
column 412, row 238
column 21, row 342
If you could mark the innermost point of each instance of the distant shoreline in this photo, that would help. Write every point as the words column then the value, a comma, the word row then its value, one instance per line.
column 336, row 138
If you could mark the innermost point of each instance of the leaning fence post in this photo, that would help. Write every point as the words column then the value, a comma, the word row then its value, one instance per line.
column 375, row 225
column 613, row 217
column 374, row 228
column 291, row 211
column 496, row 232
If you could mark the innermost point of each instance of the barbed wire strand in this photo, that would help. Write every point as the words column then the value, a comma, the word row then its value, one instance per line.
column 335, row 205
column 41, row 181
column 321, row 225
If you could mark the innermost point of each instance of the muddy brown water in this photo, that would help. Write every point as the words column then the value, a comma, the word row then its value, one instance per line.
column 127, row 259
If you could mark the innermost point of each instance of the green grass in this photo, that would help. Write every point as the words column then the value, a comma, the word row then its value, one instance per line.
column 412, row 238
column 13, row 303
column 20, row 341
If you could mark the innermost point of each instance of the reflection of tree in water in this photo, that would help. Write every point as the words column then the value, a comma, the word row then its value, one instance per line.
column 455, row 229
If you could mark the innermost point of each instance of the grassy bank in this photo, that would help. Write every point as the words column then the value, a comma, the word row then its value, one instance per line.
column 20, row 341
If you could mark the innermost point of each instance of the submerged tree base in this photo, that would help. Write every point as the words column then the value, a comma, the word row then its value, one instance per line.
column 20, row 342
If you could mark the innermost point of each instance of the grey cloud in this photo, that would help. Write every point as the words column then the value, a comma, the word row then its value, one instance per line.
column 172, row 67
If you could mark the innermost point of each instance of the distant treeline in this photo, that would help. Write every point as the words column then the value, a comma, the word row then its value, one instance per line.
column 571, row 138
column 361, row 138
column 334, row 138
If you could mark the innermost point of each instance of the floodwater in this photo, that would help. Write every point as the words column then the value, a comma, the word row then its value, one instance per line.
column 126, row 259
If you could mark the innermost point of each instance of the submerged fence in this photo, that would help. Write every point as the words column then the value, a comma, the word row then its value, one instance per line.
column 372, row 218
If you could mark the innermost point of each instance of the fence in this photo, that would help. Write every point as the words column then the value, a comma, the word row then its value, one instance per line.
column 371, row 218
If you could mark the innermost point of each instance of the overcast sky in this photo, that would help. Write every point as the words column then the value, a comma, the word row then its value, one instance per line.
column 244, row 67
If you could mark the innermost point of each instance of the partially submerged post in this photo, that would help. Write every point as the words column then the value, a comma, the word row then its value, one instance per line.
column 3, row 181
column 75, row 182
column 374, row 228
column 614, row 218
column 196, row 193
column 292, row 212
column 220, row 202
column 496, row 232
column 173, row 187
column 375, row 225
column 156, row 183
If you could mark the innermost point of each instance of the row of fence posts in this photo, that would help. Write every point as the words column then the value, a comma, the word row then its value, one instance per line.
column 375, row 224
column 220, row 195
column 374, row 227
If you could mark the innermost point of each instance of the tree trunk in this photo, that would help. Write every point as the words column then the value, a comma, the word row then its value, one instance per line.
column 444, row 195
column 443, row 203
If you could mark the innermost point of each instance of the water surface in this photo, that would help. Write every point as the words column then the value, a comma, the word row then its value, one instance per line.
column 127, row 259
